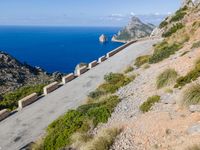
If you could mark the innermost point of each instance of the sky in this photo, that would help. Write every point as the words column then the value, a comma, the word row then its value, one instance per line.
column 83, row 12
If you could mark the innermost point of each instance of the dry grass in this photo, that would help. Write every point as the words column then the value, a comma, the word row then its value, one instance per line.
column 194, row 147
column 166, row 78
column 128, row 69
column 191, row 95
column 102, row 141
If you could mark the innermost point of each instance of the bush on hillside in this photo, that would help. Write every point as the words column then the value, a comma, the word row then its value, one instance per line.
column 113, row 82
column 166, row 78
column 163, row 51
column 60, row 131
column 128, row 69
column 196, row 45
column 99, row 115
column 163, row 24
column 142, row 60
column 10, row 100
column 192, row 95
column 102, row 141
column 189, row 77
column 146, row 106
column 96, row 94
column 173, row 30
column 179, row 15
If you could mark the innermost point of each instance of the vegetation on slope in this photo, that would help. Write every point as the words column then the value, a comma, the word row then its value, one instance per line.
column 166, row 78
column 102, row 141
column 189, row 77
column 86, row 117
column 10, row 100
column 179, row 15
column 173, row 30
column 128, row 69
column 196, row 45
column 192, row 95
column 147, row 105
column 142, row 60
column 163, row 50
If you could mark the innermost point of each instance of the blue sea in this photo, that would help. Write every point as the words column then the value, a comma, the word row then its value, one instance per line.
column 56, row 48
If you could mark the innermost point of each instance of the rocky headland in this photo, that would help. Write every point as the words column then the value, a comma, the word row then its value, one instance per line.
column 134, row 30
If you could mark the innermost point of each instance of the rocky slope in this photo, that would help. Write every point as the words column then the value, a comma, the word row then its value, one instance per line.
column 14, row 74
column 134, row 30
column 168, row 124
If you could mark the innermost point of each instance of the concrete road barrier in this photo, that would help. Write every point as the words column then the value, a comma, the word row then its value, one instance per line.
column 50, row 88
column 68, row 78
column 111, row 53
column 101, row 59
column 27, row 100
column 81, row 70
column 4, row 114
column 92, row 64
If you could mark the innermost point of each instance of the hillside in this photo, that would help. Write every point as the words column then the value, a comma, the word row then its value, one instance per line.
column 134, row 30
column 14, row 74
column 154, row 103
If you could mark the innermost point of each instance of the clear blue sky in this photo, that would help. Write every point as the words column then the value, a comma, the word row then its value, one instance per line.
column 82, row 12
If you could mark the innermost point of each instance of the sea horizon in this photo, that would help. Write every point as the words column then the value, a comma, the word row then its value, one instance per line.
column 56, row 48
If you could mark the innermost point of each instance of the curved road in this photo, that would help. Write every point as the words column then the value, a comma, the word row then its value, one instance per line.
column 27, row 125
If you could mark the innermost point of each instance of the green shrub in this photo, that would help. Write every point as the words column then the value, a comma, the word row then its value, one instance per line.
column 128, row 69
column 179, row 15
column 85, row 117
column 190, row 76
column 10, row 100
column 60, row 131
column 113, row 82
column 96, row 94
column 146, row 106
column 163, row 24
column 163, row 51
column 173, row 29
column 192, row 95
column 99, row 115
column 166, row 78
column 196, row 45
column 142, row 60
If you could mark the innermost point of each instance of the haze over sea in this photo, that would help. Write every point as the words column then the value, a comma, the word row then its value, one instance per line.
column 56, row 48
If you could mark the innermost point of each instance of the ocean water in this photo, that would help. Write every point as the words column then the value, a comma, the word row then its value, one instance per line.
column 56, row 48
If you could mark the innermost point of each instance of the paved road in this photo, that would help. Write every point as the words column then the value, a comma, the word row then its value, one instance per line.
column 27, row 125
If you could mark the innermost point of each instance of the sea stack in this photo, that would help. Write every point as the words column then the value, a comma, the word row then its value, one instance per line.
column 103, row 38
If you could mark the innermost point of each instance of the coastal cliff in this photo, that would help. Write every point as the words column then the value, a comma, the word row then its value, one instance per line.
column 134, row 30
column 14, row 74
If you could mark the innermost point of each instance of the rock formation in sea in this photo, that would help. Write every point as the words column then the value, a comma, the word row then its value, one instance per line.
column 134, row 30
column 103, row 38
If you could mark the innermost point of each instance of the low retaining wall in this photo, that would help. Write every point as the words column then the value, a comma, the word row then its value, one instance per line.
column 115, row 51
column 4, row 114
column 81, row 70
column 50, row 88
column 92, row 64
column 27, row 100
column 68, row 78
column 101, row 59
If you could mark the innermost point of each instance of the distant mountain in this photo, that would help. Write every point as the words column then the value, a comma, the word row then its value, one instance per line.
column 134, row 30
